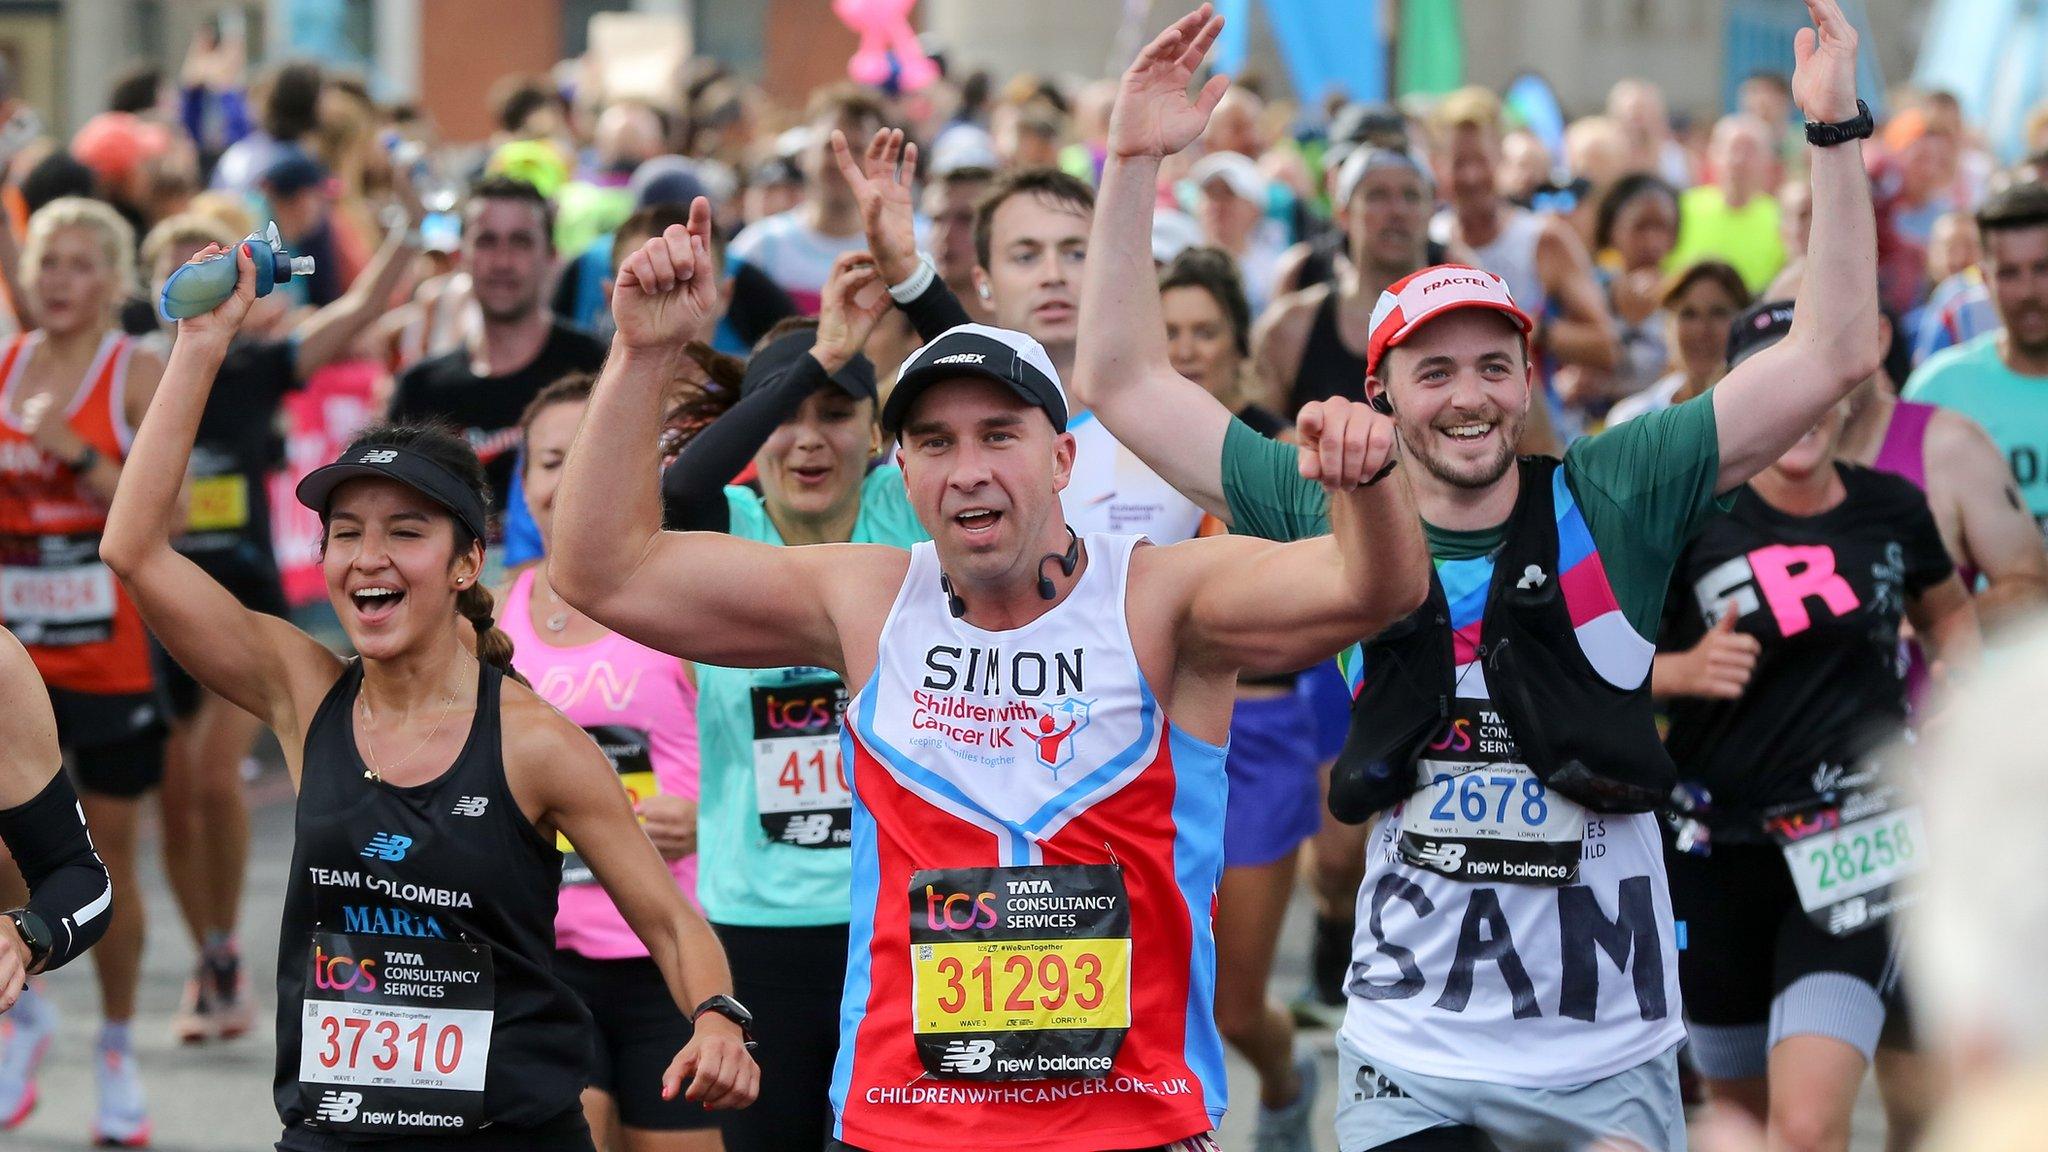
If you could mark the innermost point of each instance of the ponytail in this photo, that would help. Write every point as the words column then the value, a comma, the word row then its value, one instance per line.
column 493, row 646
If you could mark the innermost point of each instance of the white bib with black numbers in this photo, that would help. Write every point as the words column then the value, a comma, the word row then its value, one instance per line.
column 1504, row 933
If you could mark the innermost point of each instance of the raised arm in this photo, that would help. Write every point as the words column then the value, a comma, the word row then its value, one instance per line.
column 1372, row 570
column 1121, row 367
column 700, row 595
column 881, row 182
column 1767, row 402
column 693, row 487
column 1583, row 332
column 259, row 662
column 581, row 798
column 332, row 331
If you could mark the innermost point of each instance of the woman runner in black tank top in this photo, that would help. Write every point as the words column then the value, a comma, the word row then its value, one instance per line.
column 417, row 1008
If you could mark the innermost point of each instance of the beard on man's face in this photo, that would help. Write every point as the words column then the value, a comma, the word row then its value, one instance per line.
column 1432, row 447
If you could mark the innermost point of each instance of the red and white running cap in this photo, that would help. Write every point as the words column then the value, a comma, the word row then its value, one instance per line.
column 1419, row 297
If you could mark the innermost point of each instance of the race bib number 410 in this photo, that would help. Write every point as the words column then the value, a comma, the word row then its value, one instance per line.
column 1020, row 973
column 394, row 1031
column 799, row 781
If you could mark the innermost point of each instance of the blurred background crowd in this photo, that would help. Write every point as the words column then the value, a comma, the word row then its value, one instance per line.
column 468, row 175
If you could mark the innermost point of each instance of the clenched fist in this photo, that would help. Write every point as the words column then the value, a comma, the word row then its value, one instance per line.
column 1345, row 444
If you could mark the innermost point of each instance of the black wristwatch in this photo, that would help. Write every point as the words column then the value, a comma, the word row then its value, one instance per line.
column 83, row 462
column 35, row 934
column 732, row 1010
column 1829, row 135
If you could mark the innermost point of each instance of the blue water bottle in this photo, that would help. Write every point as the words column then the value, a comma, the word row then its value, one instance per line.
column 199, row 287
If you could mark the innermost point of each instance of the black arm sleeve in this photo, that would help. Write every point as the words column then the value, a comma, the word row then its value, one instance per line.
column 67, row 885
column 934, row 310
column 693, row 488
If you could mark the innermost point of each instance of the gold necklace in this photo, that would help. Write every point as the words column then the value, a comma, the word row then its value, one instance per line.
column 371, row 769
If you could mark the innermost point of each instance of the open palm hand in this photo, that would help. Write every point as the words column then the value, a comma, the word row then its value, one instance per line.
column 1153, row 115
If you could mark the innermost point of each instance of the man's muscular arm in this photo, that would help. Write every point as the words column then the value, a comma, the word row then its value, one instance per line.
column 1995, row 533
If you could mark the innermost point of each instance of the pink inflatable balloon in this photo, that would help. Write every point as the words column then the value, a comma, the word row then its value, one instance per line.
column 884, row 28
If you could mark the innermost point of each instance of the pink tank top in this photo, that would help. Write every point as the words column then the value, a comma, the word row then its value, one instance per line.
column 1904, row 454
column 639, row 707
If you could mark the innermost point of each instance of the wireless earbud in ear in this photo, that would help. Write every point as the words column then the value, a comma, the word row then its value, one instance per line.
column 1381, row 403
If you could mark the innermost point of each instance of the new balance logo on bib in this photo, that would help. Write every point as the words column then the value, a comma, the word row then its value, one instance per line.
column 1031, row 836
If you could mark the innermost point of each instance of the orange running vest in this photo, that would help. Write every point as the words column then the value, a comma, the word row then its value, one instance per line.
column 65, row 606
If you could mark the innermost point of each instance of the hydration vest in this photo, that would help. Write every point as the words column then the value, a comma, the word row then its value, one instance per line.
column 1575, row 694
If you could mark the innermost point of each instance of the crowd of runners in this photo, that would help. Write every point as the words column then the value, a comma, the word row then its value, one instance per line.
column 848, row 630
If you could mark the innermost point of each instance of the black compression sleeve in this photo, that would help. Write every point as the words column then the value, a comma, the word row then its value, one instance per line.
column 693, row 488
column 67, row 884
column 935, row 310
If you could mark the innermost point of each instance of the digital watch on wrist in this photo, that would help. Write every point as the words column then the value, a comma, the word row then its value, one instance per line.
column 35, row 934
column 1828, row 135
column 732, row 1010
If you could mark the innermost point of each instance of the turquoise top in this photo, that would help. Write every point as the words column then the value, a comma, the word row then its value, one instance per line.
column 774, row 822
column 1972, row 379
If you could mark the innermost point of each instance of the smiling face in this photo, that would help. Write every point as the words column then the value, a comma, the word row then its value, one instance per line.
column 1036, row 249
column 548, row 436
column 984, row 470
column 74, row 282
column 1460, row 387
column 391, row 566
column 812, row 465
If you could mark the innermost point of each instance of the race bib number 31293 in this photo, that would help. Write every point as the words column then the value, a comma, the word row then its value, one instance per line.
column 1020, row 973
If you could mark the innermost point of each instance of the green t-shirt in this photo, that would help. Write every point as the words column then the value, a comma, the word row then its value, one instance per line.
column 1746, row 237
column 750, row 877
column 1645, row 488
column 1972, row 379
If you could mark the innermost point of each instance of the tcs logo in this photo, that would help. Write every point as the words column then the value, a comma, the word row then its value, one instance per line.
column 343, row 973
column 800, row 713
column 972, row 911
column 1456, row 737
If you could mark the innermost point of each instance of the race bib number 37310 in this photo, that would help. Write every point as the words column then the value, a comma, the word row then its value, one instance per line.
column 395, row 1033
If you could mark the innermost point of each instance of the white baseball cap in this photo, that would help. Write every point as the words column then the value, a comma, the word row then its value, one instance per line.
column 1236, row 170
